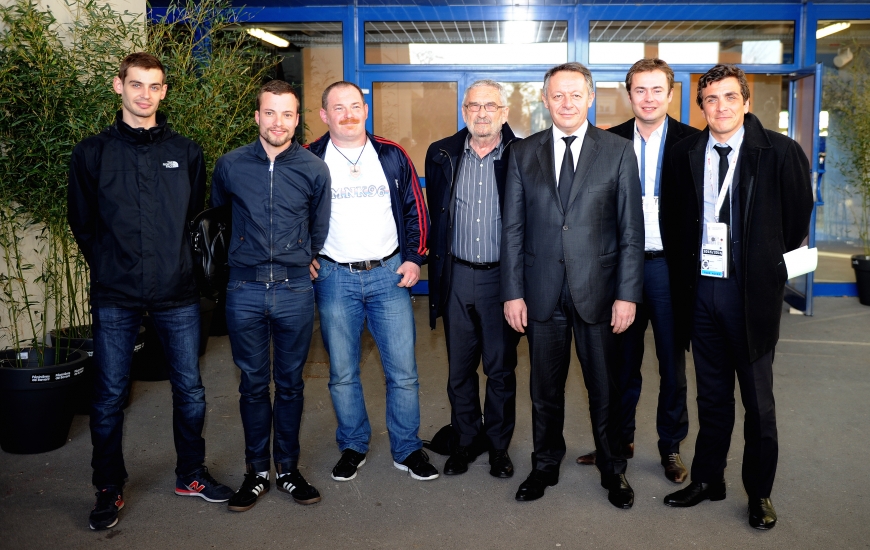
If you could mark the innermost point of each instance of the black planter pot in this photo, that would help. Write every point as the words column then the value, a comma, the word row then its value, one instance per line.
column 36, row 403
column 84, row 391
column 861, row 265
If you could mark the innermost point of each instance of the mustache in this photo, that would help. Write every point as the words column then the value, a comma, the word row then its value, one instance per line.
column 348, row 121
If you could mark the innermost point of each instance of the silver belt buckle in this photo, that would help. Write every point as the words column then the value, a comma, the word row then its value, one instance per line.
column 368, row 265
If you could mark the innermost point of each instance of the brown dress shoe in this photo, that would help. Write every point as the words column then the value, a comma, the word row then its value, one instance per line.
column 674, row 469
column 589, row 458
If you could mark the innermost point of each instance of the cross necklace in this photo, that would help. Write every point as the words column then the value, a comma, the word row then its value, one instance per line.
column 355, row 170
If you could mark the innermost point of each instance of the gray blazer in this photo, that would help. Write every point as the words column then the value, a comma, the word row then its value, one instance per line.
column 599, row 240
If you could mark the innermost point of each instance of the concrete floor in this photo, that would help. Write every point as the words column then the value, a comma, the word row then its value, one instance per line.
column 822, row 374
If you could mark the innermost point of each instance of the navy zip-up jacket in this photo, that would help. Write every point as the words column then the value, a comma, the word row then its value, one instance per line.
column 406, row 195
column 280, row 211
column 132, row 193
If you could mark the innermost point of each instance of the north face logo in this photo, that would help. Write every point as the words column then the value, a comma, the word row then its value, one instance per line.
column 170, row 164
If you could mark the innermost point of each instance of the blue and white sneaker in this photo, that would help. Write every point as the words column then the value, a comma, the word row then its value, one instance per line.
column 201, row 484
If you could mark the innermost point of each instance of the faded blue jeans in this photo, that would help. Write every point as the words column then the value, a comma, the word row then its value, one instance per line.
column 346, row 299
column 115, row 331
column 270, row 327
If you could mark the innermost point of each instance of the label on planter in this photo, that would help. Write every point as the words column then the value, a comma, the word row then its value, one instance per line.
column 39, row 378
column 90, row 353
column 24, row 355
column 62, row 375
column 78, row 371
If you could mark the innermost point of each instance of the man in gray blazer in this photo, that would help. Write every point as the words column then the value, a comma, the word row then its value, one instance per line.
column 572, row 257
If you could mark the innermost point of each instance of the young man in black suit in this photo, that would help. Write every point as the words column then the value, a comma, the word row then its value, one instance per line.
column 725, row 246
column 650, row 87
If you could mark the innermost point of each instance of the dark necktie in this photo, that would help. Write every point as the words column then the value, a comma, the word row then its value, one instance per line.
column 725, row 212
column 566, row 174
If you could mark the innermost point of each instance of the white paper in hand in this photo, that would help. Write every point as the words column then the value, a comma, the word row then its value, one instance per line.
column 801, row 261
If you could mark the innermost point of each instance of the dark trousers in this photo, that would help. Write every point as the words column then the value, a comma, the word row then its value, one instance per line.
column 475, row 329
column 672, row 418
column 598, row 350
column 720, row 350
column 115, row 331
column 270, row 327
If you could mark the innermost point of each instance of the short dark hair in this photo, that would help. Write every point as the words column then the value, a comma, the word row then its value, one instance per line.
column 140, row 60
column 647, row 65
column 278, row 87
column 721, row 72
column 573, row 67
column 339, row 84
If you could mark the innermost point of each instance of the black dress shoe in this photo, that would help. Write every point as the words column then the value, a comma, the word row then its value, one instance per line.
column 500, row 464
column 457, row 463
column 619, row 492
column 534, row 485
column 761, row 513
column 696, row 492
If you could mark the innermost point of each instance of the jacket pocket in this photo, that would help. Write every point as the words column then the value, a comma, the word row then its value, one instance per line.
column 298, row 238
column 238, row 237
column 609, row 259
column 602, row 187
column 529, row 259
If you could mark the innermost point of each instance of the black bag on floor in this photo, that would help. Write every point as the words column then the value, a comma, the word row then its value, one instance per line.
column 446, row 441
column 210, row 234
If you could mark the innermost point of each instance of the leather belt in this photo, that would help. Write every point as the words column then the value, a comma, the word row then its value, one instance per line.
column 653, row 254
column 473, row 265
column 365, row 265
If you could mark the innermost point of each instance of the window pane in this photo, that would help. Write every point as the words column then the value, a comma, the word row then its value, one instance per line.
column 312, row 60
column 527, row 114
column 466, row 42
column 612, row 106
column 843, row 53
column 692, row 42
column 414, row 114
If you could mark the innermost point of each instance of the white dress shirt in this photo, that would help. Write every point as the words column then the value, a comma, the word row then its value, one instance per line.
column 652, row 231
column 559, row 147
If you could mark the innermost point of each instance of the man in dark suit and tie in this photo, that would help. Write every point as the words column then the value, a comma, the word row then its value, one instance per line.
column 741, row 198
column 650, row 87
column 572, row 262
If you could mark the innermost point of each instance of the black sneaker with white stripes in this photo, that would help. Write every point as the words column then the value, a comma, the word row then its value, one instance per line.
column 295, row 485
column 418, row 466
column 246, row 497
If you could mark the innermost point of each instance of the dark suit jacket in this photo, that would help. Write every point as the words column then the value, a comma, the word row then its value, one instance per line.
column 677, row 131
column 776, row 203
column 442, row 169
column 599, row 237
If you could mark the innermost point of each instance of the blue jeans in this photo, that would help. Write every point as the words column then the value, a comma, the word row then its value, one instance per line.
column 280, row 314
column 346, row 300
column 115, row 331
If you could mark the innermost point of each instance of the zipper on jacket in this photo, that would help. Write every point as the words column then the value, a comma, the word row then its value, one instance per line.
column 271, row 210
column 452, row 170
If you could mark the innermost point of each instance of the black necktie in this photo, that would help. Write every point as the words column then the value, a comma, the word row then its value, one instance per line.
column 566, row 174
column 725, row 212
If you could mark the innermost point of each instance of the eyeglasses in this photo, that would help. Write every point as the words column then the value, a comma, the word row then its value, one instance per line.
column 490, row 107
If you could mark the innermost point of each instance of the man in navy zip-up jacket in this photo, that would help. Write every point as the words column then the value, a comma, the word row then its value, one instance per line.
column 280, row 209
column 368, row 264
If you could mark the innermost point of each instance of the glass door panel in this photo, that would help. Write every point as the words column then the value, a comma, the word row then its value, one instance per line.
column 612, row 106
column 414, row 114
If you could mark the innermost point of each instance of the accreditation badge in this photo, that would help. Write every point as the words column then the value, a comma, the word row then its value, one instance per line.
column 714, row 252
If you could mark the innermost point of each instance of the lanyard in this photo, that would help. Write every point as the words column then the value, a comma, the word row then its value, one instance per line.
column 658, row 183
column 729, row 177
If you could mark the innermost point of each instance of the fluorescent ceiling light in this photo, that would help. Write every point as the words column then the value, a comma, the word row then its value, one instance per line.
column 831, row 29
column 519, row 32
column 269, row 37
